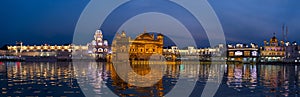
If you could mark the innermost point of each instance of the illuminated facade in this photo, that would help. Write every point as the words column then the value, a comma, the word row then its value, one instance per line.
column 145, row 45
column 292, row 52
column 43, row 50
column 273, row 51
column 192, row 53
column 97, row 48
column 243, row 53
column 140, row 48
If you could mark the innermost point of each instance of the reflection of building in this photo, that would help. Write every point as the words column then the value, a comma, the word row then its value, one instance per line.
column 3, row 78
column 140, row 48
column 27, row 79
column 274, row 76
column 2, row 67
column 3, row 52
column 159, row 89
column 242, row 53
column 241, row 76
column 272, row 51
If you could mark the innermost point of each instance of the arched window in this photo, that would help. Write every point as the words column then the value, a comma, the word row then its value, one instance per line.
column 100, row 50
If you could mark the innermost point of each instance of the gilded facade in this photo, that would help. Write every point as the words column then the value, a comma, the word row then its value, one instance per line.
column 140, row 48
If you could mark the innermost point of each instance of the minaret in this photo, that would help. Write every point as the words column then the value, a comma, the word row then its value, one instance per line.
column 283, row 33
column 286, row 33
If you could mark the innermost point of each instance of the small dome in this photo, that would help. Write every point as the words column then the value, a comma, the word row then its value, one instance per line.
column 123, row 34
column 273, row 39
column 98, row 31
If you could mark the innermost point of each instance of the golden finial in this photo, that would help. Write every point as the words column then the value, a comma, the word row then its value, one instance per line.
column 145, row 31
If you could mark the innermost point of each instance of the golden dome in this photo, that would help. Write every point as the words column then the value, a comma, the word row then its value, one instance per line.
column 146, row 36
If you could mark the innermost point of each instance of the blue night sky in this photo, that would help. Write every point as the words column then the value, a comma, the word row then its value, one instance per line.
column 54, row 21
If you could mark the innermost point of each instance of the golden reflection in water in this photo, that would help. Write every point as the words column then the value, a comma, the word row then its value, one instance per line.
column 275, row 78
column 61, row 79
column 141, row 68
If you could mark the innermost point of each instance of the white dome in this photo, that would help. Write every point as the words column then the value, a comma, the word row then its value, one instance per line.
column 98, row 31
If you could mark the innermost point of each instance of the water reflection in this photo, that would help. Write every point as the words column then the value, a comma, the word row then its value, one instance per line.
column 101, row 79
column 122, row 88
column 38, row 79
column 260, row 80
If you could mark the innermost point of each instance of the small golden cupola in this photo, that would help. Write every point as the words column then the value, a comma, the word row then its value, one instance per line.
column 274, row 41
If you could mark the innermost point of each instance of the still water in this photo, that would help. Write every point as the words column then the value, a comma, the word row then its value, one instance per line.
column 100, row 79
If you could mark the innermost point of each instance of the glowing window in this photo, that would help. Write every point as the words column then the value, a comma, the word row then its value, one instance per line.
column 238, row 53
